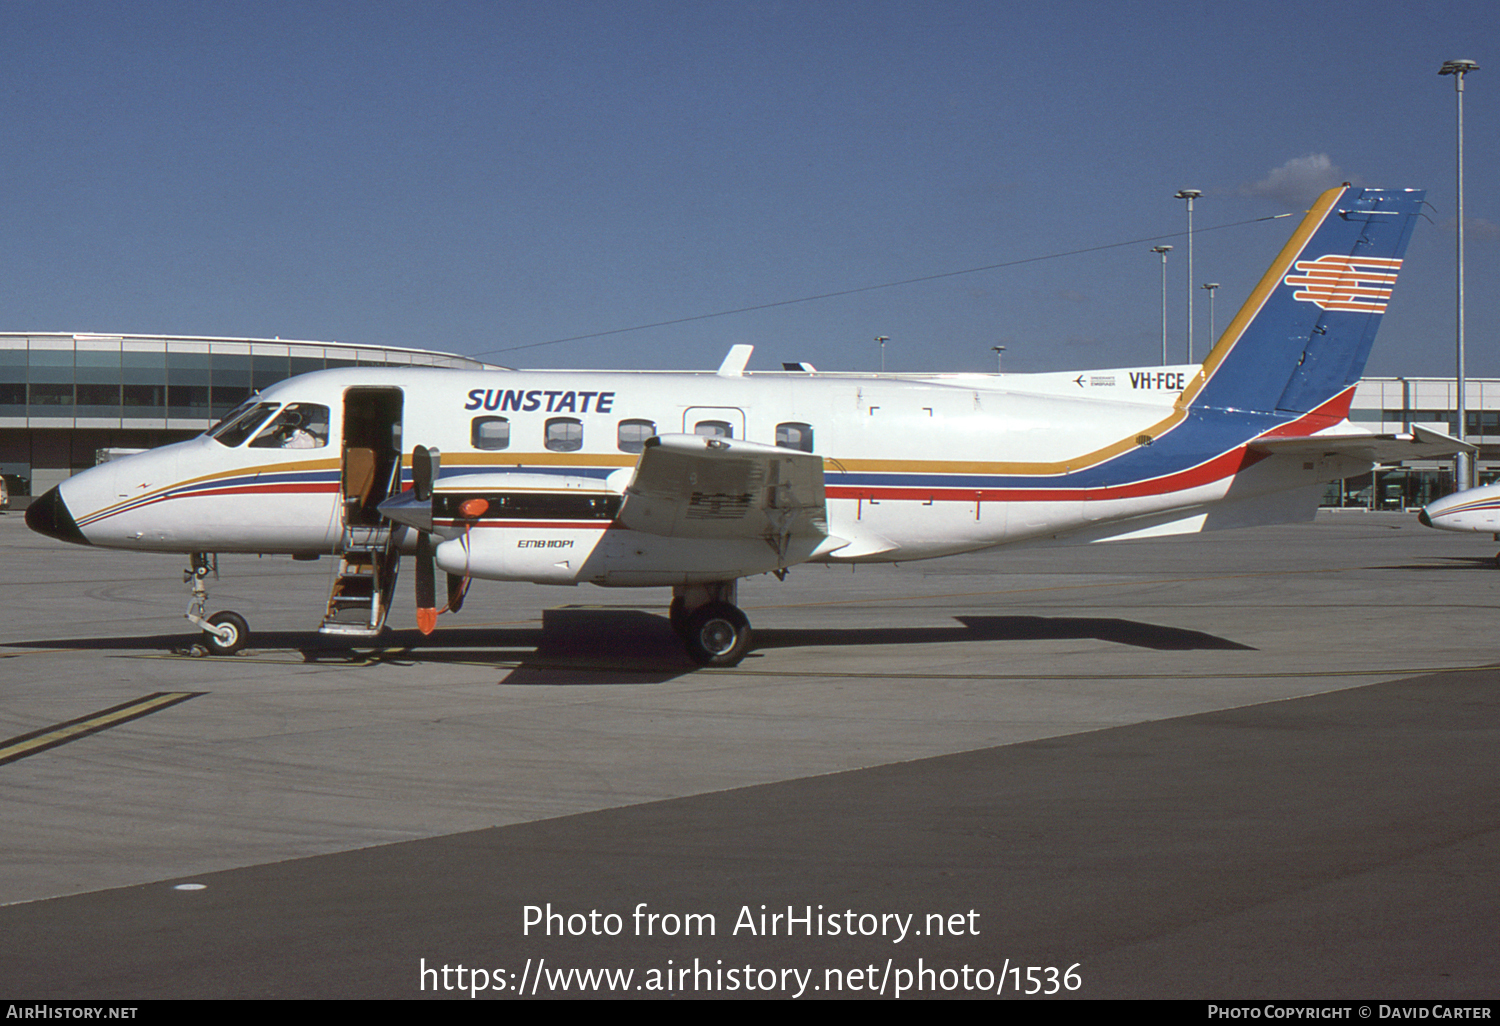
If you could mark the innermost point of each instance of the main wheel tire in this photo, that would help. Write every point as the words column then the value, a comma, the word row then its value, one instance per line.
column 717, row 634
column 677, row 616
column 238, row 631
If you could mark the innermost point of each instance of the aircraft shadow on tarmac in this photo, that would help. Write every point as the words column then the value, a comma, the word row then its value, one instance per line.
column 595, row 646
column 1490, row 563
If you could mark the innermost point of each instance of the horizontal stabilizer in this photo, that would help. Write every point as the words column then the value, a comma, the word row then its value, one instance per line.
column 1419, row 443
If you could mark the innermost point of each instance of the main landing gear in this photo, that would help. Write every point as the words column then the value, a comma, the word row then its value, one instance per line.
column 224, row 633
column 710, row 625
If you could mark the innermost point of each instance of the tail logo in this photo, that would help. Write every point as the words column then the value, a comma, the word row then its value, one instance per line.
column 1361, row 285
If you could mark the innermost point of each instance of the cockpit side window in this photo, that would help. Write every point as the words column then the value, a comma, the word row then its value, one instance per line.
column 298, row 426
column 714, row 429
column 241, row 423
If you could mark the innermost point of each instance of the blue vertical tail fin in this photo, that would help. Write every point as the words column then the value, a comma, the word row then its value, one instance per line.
column 1300, row 342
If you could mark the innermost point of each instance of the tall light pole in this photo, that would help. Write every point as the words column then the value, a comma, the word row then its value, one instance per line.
column 1211, row 287
column 1163, row 251
column 1189, row 195
column 882, row 339
column 1463, row 466
column 999, row 351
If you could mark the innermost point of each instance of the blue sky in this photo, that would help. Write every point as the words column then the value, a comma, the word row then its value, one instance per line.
column 479, row 177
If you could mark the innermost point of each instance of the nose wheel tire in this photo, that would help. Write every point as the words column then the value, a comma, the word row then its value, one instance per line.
column 235, row 633
column 717, row 634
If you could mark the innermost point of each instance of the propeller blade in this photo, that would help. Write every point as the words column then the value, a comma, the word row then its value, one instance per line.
column 425, row 466
column 457, row 589
column 426, row 587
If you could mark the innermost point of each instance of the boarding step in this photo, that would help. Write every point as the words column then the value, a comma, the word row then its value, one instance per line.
column 361, row 594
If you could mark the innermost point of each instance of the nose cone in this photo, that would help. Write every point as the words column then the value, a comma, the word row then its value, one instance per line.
column 49, row 515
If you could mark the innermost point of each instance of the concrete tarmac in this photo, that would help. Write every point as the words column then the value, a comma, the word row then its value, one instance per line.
column 1251, row 764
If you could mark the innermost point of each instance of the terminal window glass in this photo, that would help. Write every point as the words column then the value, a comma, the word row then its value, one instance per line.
column 98, row 395
column 489, row 433
column 795, row 435
column 51, row 375
column 12, row 382
column 97, row 368
column 152, row 397
column 564, row 434
column 188, row 401
column 633, row 434
column 50, row 394
column 143, row 368
column 269, row 369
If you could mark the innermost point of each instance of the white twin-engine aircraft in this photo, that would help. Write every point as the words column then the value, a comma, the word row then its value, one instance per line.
column 694, row 480
column 1475, row 509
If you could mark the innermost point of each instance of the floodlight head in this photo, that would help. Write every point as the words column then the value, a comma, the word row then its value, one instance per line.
column 1457, row 67
column 1187, row 194
column 1163, row 250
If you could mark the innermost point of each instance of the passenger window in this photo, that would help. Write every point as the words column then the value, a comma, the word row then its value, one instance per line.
column 795, row 435
column 633, row 434
column 299, row 426
column 714, row 429
column 564, row 434
column 489, row 433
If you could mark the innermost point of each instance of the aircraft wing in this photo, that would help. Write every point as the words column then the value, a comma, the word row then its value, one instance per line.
column 1419, row 443
column 691, row 486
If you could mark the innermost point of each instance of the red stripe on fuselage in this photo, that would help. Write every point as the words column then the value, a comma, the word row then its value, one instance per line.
column 561, row 525
column 1227, row 465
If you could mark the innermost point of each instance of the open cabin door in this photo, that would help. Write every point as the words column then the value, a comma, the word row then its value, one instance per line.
column 372, row 452
column 370, row 472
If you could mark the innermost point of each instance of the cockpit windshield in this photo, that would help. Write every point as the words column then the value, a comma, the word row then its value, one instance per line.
column 241, row 422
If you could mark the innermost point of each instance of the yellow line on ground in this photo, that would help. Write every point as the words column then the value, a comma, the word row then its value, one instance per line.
column 51, row 737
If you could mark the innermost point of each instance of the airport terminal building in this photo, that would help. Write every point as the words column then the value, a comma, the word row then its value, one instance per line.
column 64, row 398
column 1393, row 405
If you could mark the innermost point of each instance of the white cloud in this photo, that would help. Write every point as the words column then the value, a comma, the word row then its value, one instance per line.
column 1299, row 180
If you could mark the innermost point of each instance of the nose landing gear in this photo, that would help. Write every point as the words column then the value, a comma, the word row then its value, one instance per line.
column 224, row 633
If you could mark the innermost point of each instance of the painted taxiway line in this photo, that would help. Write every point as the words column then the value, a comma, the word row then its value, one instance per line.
column 59, row 734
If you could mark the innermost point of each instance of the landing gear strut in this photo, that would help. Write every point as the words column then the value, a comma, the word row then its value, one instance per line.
column 712, row 627
column 224, row 633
